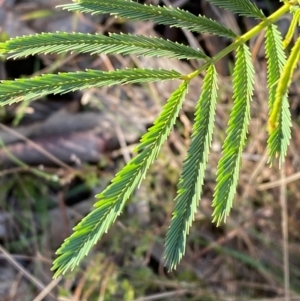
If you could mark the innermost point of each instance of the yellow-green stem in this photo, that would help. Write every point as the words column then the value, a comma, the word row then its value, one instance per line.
column 292, row 28
column 283, row 84
column 241, row 40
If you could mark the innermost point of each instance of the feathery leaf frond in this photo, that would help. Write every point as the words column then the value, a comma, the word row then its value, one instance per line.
column 113, row 198
column 283, row 84
column 229, row 164
column 278, row 138
column 241, row 7
column 31, row 88
column 191, row 180
column 96, row 44
column 158, row 14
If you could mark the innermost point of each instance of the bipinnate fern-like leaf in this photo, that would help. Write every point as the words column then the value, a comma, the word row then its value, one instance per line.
column 113, row 198
column 158, row 14
column 283, row 85
column 229, row 164
column 194, row 165
column 31, row 88
column 97, row 44
column 279, row 137
column 241, row 7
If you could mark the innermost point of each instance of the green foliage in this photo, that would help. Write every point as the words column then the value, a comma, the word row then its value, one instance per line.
column 28, row 89
column 279, row 138
column 113, row 199
column 161, row 15
column 192, row 177
column 96, row 44
column 229, row 165
column 241, row 7
column 283, row 84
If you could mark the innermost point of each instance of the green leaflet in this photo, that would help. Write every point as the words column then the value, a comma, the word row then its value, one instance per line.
column 194, row 165
column 283, row 85
column 113, row 198
column 241, row 7
column 229, row 164
column 96, row 44
column 31, row 88
column 158, row 14
column 278, row 138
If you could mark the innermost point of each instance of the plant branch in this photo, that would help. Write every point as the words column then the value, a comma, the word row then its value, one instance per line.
column 241, row 40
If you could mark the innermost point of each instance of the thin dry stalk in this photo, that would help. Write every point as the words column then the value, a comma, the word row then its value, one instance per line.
column 284, row 227
column 24, row 272
column 47, row 289
column 294, row 177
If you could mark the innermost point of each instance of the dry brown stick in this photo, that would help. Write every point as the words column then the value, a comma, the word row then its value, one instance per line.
column 123, row 144
column 163, row 296
column 292, row 178
column 46, row 291
column 31, row 278
column 284, row 227
column 257, row 169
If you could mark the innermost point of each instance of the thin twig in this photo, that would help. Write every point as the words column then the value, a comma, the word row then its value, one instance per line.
column 164, row 295
column 284, row 228
column 294, row 177
column 31, row 278
column 123, row 144
column 47, row 289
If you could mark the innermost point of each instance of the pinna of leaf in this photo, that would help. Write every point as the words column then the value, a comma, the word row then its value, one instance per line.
column 112, row 200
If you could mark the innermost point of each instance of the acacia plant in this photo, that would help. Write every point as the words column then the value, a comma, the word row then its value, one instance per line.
column 111, row 201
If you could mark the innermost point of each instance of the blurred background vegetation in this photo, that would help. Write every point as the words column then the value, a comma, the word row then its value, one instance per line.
column 58, row 152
